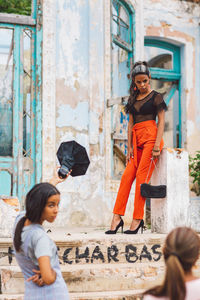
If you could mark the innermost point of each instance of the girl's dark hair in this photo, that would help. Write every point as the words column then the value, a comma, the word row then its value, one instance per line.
column 140, row 67
column 35, row 203
column 181, row 251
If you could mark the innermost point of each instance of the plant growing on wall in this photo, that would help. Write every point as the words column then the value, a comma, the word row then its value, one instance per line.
column 20, row 7
column 194, row 166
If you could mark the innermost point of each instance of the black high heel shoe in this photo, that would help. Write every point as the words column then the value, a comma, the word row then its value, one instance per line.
column 121, row 224
column 141, row 225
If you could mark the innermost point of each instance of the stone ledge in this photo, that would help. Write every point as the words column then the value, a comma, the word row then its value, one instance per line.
column 12, row 297
column 93, row 278
column 113, row 295
column 62, row 237
column 96, row 247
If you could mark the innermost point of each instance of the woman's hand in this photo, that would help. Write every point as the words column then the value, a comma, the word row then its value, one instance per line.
column 37, row 279
column 56, row 179
column 156, row 152
column 46, row 275
column 129, row 156
column 161, row 125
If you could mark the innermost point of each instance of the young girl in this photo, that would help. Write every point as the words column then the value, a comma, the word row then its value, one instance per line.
column 181, row 251
column 35, row 252
column 144, row 142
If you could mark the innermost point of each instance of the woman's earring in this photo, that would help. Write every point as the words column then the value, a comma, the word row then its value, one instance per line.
column 135, row 89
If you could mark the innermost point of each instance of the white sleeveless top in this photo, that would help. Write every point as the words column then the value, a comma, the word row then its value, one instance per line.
column 192, row 291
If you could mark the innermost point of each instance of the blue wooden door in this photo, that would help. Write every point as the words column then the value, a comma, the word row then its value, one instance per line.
column 18, row 110
column 122, row 28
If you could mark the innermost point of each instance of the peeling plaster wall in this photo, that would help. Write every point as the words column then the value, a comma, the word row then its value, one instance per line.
column 178, row 22
column 80, row 105
column 77, row 84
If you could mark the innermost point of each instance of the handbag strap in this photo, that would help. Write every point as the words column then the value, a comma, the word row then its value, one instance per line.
column 152, row 160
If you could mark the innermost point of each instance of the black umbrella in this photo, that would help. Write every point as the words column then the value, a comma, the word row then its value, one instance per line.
column 72, row 155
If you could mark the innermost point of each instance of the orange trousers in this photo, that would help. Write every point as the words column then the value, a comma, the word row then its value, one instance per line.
column 144, row 137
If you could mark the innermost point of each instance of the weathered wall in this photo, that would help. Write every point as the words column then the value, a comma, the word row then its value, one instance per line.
column 77, row 83
column 75, row 74
column 178, row 22
column 80, row 103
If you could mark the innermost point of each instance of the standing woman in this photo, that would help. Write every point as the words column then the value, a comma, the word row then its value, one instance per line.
column 181, row 251
column 144, row 142
column 35, row 252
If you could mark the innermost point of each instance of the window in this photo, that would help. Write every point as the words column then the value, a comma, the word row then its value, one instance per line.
column 159, row 58
column 122, row 48
column 6, row 91
column 122, row 57
column 20, row 104
column 164, row 61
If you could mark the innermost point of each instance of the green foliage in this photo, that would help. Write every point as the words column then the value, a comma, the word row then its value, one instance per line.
column 195, row 170
column 20, row 7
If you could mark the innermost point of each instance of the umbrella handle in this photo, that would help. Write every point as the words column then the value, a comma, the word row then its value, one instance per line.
column 63, row 171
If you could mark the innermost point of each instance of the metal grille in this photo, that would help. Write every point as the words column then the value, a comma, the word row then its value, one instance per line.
column 27, row 79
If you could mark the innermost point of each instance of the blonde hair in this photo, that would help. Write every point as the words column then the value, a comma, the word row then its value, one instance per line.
column 181, row 251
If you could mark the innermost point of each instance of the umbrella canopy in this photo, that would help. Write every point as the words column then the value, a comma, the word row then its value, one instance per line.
column 72, row 155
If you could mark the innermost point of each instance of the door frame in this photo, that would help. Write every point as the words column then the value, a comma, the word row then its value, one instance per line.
column 169, row 75
column 14, row 164
column 130, row 48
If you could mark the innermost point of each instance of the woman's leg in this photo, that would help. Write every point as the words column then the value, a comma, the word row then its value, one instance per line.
column 124, row 189
column 123, row 193
column 141, row 177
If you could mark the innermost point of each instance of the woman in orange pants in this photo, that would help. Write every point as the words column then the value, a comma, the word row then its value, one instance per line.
column 144, row 143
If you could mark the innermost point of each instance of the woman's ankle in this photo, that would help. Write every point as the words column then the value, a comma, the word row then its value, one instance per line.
column 116, row 217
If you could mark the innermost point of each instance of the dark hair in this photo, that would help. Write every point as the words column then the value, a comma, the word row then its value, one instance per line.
column 140, row 67
column 181, row 251
column 35, row 203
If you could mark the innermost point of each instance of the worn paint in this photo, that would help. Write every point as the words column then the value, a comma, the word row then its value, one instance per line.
column 38, row 87
column 10, row 209
column 171, row 211
column 94, row 128
column 71, row 95
column 77, row 118
column 77, row 58
column 190, row 128
column 72, row 18
column 48, row 89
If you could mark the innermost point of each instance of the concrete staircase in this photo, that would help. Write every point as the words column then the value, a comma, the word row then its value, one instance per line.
column 95, row 266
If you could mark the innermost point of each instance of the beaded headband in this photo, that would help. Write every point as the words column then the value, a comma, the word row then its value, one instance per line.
column 140, row 69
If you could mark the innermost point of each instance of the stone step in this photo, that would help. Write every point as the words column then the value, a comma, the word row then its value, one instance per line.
column 12, row 297
column 92, row 278
column 95, row 278
column 94, row 264
column 96, row 247
column 114, row 295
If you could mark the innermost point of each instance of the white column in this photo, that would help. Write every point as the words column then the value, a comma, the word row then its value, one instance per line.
column 172, row 211
column 49, row 89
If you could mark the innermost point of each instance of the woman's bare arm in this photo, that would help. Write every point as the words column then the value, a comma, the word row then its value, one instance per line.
column 56, row 179
column 161, row 125
column 130, row 142
column 48, row 275
column 45, row 275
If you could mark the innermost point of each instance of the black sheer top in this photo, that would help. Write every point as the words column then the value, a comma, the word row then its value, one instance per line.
column 147, row 108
